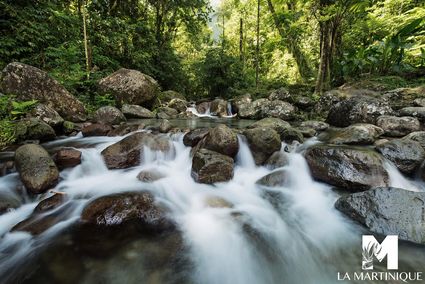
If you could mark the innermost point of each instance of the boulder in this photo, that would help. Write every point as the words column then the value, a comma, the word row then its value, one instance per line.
column 203, row 107
column 276, row 108
column 420, row 102
column 130, row 87
column 291, row 134
column 219, row 107
column 327, row 101
column 358, row 109
column 354, row 169
column 356, row 134
column 418, row 112
column 109, row 115
column 193, row 137
column 387, row 211
column 36, row 168
column 221, row 139
column 271, row 122
column 34, row 129
column 165, row 97
column 8, row 202
column 165, row 126
column 277, row 160
column 178, row 104
column 135, row 111
column 263, row 142
column 407, row 155
column 316, row 125
column 29, row 83
column 394, row 126
column 67, row 158
column 149, row 176
column 251, row 110
column 96, row 129
column 70, row 128
column 280, row 94
column 127, row 208
column 303, row 102
column 128, row 152
column 307, row 131
column 240, row 102
column 277, row 178
column 210, row 167
column 48, row 115
column 418, row 136
column 166, row 113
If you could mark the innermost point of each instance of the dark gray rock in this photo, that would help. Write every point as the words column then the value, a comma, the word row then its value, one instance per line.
column 136, row 111
column 263, row 142
column 418, row 112
column 275, row 179
column 221, row 139
column 356, row 134
column 193, row 137
column 210, row 167
column 394, row 126
column 109, row 115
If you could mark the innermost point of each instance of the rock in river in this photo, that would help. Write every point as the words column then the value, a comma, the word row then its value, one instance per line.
column 388, row 211
column 211, row 167
column 221, row 139
column 263, row 142
column 354, row 169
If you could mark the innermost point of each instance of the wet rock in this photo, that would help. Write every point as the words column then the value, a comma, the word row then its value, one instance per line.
column 387, row 211
column 271, row 122
column 129, row 207
column 136, row 111
column 358, row 109
column 193, row 137
column 407, row 155
column 356, row 134
column 34, row 129
column 354, row 169
column 127, row 152
column 8, row 202
column 217, row 202
column 277, row 160
column 36, row 169
column 219, row 107
column 279, row 109
column 165, row 126
column 240, row 102
column 418, row 136
column 48, row 115
column 29, row 83
column 291, row 134
column 178, row 104
column 50, row 203
column 221, row 139
column 149, row 176
column 275, row 179
column 263, row 142
column 109, row 115
column 418, row 112
column 130, row 87
column 166, row 113
column 394, row 126
column 316, row 125
column 96, row 129
column 210, row 167
column 67, row 158
column 203, row 107
column 306, row 131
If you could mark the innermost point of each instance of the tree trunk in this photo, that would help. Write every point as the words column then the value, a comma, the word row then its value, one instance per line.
column 326, row 50
column 241, row 55
column 86, row 41
column 292, row 43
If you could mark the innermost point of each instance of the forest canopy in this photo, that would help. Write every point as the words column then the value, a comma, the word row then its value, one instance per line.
column 204, row 51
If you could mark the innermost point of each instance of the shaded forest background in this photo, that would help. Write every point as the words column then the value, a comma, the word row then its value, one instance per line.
column 248, row 46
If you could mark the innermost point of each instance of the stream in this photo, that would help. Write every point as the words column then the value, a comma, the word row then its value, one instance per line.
column 289, row 234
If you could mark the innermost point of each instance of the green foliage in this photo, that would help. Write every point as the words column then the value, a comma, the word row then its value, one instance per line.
column 7, row 133
column 19, row 109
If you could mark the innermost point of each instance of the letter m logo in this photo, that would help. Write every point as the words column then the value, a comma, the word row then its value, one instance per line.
column 373, row 249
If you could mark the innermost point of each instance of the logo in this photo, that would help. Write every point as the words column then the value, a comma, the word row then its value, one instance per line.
column 373, row 249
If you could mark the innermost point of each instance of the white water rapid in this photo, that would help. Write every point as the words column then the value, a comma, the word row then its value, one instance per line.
column 288, row 234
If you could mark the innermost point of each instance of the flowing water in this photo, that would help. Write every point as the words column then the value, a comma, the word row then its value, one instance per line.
column 288, row 234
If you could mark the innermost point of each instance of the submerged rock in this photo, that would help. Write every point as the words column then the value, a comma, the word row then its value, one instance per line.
column 358, row 109
column 149, row 176
column 128, row 152
column 277, row 160
column 130, row 207
column 263, row 142
column 406, row 154
column 210, row 167
column 130, row 87
column 109, row 115
column 394, row 126
column 36, row 169
column 387, row 211
column 274, row 179
column 165, row 126
column 353, row 169
column 29, row 83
